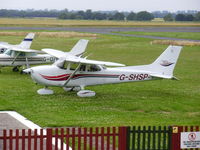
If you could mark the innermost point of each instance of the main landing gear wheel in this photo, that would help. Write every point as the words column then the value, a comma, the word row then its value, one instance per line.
column 86, row 93
column 45, row 91
column 15, row 69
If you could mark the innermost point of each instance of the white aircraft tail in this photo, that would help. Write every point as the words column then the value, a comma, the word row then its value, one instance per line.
column 164, row 65
column 26, row 43
column 79, row 48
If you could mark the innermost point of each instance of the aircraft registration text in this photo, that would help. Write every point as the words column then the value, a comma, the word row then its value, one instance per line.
column 133, row 77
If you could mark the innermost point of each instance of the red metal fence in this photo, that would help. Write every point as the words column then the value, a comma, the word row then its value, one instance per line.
column 104, row 138
column 110, row 138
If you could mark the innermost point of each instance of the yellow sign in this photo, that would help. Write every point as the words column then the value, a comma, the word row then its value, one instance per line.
column 175, row 129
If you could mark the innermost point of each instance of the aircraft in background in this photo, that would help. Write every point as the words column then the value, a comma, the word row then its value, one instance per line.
column 26, row 43
column 74, row 73
column 16, row 56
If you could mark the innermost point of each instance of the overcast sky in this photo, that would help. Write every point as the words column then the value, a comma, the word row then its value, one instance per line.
column 121, row 5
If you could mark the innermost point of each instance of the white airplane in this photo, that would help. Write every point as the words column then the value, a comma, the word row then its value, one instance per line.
column 26, row 43
column 16, row 56
column 75, row 73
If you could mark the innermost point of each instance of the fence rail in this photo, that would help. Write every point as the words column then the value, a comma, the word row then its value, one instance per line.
column 103, row 138
column 109, row 138
column 149, row 138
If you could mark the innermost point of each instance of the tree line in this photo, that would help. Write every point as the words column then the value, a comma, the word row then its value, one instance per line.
column 102, row 15
column 182, row 17
column 90, row 15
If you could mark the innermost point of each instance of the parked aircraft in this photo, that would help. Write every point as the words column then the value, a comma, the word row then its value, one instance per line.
column 26, row 43
column 75, row 73
column 16, row 56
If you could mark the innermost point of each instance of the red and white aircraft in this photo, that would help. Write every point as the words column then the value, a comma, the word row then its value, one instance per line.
column 72, row 72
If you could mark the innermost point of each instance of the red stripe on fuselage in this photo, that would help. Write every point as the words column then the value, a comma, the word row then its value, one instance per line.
column 66, row 76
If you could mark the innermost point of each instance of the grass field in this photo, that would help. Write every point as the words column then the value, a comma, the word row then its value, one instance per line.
column 53, row 22
column 161, row 102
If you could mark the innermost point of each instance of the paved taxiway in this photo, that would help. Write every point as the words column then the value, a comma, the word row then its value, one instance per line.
column 110, row 30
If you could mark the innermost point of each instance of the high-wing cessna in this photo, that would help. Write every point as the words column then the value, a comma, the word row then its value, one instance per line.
column 75, row 73
column 16, row 56
column 26, row 43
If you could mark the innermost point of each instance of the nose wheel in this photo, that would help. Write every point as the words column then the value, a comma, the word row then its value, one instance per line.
column 45, row 91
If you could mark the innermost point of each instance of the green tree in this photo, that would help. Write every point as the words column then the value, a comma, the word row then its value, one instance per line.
column 180, row 17
column 189, row 17
column 144, row 16
column 197, row 16
column 131, row 16
column 88, row 14
column 118, row 16
column 168, row 17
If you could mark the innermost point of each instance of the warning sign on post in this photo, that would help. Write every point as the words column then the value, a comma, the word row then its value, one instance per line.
column 190, row 140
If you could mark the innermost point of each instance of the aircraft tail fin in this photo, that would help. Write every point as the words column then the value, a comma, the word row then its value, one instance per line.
column 26, row 43
column 166, row 62
column 79, row 48
column 163, row 66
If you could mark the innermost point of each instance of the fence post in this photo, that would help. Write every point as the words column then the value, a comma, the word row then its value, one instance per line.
column 49, row 139
column 176, row 137
column 122, row 138
column 4, row 139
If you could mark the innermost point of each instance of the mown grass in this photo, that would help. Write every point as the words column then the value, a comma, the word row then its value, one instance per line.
column 49, row 34
column 180, row 35
column 176, row 42
column 53, row 22
column 161, row 102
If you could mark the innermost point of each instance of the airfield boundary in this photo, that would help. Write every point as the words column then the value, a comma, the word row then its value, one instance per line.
column 103, row 138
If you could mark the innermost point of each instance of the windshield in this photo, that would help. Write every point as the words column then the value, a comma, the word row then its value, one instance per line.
column 8, row 52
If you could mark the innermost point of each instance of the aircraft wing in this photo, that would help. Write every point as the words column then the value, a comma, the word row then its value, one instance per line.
column 79, row 48
column 71, row 58
column 95, row 62
column 26, row 50
column 4, row 45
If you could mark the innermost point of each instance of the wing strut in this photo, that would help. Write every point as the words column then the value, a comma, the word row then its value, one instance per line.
column 71, row 75
column 27, row 64
column 15, row 58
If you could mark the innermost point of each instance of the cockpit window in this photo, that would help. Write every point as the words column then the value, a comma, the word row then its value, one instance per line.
column 82, row 68
column 22, row 54
column 62, row 65
column 93, row 68
column 73, row 66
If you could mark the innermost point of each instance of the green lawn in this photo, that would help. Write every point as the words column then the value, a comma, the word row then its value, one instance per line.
column 181, row 35
column 161, row 102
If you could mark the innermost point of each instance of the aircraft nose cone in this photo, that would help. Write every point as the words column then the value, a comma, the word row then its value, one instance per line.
column 28, row 71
